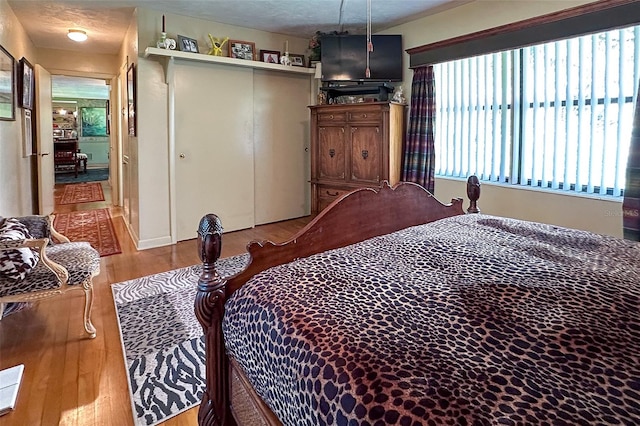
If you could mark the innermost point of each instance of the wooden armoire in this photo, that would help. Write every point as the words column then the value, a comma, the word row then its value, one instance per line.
column 353, row 146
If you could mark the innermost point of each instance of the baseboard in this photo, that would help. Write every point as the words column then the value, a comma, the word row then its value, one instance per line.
column 10, row 380
column 153, row 243
column 147, row 244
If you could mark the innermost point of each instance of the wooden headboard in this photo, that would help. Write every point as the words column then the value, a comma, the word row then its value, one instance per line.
column 354, row 217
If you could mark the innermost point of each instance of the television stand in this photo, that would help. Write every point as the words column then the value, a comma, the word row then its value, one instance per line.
column 380, row 89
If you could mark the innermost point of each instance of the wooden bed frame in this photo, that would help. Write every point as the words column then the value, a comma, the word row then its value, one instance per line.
column 362, row 214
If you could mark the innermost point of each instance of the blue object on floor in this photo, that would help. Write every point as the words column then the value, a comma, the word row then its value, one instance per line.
column 92, row 175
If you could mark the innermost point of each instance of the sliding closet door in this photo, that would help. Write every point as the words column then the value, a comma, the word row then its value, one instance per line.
column 282, row 166
column 214, row 146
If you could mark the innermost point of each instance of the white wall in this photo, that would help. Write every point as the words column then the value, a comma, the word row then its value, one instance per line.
column 600, row 215
column 16, row 190
column 79, row 64
column 150, row 23
column 593, row 214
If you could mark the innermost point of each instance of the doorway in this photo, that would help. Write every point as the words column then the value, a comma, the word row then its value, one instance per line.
column 81, row 114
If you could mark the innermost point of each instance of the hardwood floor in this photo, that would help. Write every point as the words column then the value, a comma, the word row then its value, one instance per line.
column 72, row 380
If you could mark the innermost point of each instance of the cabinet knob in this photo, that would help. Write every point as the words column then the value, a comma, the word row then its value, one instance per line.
column 365, row 154
column 332, row 194
column 364, row 115
column 182, row 155
column 331, row 117
column 332, row 153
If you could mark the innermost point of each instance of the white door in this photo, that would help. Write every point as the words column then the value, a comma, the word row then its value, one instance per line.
column 44, row 134
column 282, row 169
column 213, row 146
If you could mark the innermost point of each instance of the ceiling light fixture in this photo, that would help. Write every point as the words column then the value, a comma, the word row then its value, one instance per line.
column 77, row 35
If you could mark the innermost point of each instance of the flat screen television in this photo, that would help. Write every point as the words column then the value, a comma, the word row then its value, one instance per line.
column 344, row 58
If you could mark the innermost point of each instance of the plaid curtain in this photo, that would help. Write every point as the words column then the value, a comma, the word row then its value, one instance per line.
column 631, row 203
column 419, row 152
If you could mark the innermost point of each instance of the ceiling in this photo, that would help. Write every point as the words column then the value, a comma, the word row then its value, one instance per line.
column 106, row 22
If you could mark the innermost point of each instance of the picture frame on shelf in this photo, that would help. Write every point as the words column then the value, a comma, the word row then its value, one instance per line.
column 296, row 60
column 270, row 56
column 187, row 44
column 242, row 50
column 7, row 86
column 131, row 100
column 26, row 85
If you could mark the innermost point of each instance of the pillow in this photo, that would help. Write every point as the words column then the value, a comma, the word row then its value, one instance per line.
column 15, row 264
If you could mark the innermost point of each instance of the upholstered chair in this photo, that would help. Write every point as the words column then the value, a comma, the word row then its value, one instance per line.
column 37, row 262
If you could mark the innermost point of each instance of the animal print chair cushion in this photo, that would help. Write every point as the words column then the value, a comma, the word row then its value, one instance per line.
column 15, row 264
column 38, row 226
column 80, row 259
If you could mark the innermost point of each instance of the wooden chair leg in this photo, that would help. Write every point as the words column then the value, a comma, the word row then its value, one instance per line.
column 88, row 304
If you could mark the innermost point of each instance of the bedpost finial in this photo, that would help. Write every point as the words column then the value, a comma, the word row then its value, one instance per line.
column 209, row 310
column 473, row 192
column 210, row 238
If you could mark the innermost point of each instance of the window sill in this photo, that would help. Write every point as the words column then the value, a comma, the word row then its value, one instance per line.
column 561, row 192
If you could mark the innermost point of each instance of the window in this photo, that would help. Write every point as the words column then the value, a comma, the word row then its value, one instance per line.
column 556, row 115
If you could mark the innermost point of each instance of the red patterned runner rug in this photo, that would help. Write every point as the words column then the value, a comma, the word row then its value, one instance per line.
column 82, row 193
column 92, row 226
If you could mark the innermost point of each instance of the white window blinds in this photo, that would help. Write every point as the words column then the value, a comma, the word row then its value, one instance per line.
column 556, row 115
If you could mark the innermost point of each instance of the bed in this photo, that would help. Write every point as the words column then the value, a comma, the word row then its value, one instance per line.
column 393, row 308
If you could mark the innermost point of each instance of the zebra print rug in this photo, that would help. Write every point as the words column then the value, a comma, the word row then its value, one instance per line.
column 162, row 340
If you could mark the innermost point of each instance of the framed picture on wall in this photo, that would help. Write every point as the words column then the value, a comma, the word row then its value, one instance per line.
column 7, row 85
column 242, row 49
column 26, row 84
column 27, row 134
column 108, row 117
column 93, row 121
column 131, row 99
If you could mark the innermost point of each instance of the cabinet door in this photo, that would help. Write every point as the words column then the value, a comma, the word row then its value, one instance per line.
column 366, row 154
column 331, row 152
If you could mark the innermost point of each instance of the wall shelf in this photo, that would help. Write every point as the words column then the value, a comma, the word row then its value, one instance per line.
column 154, row 52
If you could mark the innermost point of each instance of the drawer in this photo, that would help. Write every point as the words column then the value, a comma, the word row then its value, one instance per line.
column 327, row 194
column 332, row 117
column 365, row 116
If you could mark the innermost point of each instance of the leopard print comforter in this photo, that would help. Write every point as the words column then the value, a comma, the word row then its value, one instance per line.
column 468, row 320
